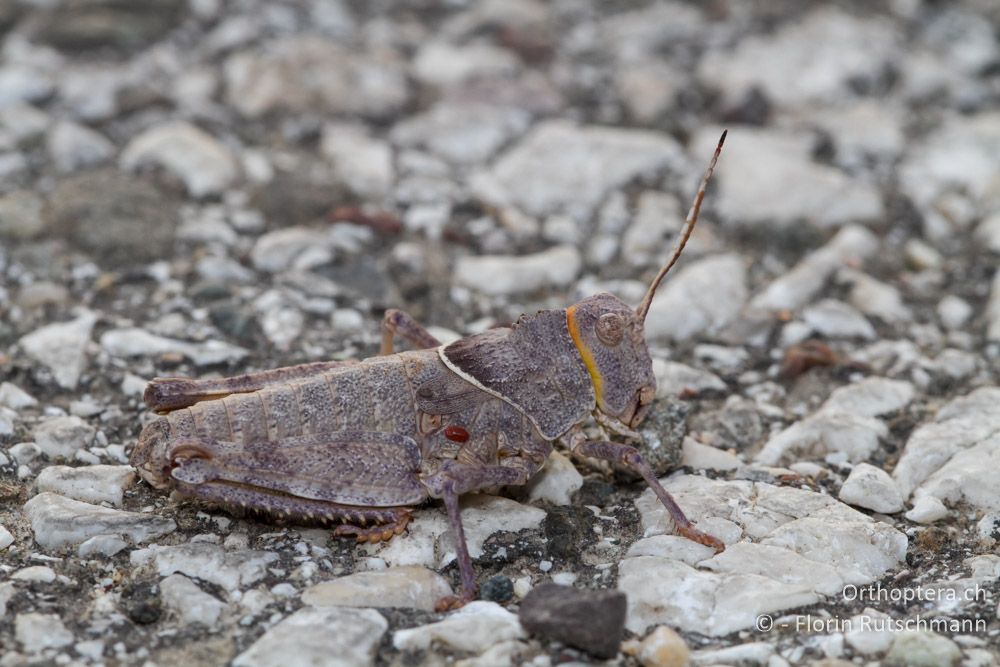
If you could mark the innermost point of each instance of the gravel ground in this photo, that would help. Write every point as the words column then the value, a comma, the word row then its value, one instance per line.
column 211, row 187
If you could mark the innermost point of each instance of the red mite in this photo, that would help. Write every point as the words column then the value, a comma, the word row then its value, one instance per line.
column 456, row 434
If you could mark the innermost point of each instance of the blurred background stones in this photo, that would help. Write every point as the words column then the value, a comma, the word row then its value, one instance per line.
column 209, row 187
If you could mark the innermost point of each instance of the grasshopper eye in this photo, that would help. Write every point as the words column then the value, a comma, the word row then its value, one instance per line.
column 610, row 328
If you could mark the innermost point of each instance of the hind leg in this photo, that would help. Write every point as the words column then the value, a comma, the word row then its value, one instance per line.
column 397, row 322
column 164, row 395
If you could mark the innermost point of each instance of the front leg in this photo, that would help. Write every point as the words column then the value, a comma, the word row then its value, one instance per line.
column 454, row 480
column 629, row 456
column 398, row 322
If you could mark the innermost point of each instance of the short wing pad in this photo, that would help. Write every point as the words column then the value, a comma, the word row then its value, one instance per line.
column 534, row 366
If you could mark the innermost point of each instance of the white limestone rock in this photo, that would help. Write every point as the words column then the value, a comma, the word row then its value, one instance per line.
column 822, row 433
column 204, row 164
column 875, row 298
column 769, row 176
column 556, row 482
column 993, row 310
column 442, row 64
column 658, row 217
column 814, row 59
column 91, row 484
column 960, row 156
column 503, row 274
column 705, row 457
column 927, row 509
column 62, row 348
column 680, row 310
column 359, row 160
column 8, row 592
column 36, row 632
column 751, row 653
column 835, row 319
column 429, row 541
column 134, row 342
column 311, row 637
column 851, row 245
column 58, row 521
column 988, row 528
column 968, row 422
column 410, row 587
column 6, row 539
column 63, row 436
column 189, row 604
column 861, row 129
column 673, row 547
column 923, row 648
column 310, row 73
column 473, row 628
column 846, row 422
column 819, row 543
column 560, row 167
column 869, row 633
column 291, row 248
column 968, row 477
column 669, row 592
column 954, row 311
column 39, row 573
column 232, row 570
column 15, row 398
column 462, row 133
column 101, row 545
column 988, row 232
column 72, row 146
column 674, row 379
column 871, row 488
column 871, row 397
column 779, row 564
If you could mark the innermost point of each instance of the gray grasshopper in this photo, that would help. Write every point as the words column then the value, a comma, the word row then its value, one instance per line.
column 360, row 443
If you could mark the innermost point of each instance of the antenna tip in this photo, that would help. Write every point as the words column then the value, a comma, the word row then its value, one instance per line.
column 722, row 139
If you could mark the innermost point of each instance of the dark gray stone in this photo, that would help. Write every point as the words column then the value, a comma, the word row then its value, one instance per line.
column 117, row 218
column 663, row 433
column 86, row 25
column 593, row 621
column 497, row 589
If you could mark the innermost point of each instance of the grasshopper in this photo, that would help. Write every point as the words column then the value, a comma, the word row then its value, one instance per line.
column 360, row 443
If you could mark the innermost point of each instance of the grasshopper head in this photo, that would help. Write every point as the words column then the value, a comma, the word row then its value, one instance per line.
column 610, row 338
column 149, row 454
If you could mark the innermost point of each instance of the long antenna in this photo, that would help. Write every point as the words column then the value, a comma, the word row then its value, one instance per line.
column 685, row 234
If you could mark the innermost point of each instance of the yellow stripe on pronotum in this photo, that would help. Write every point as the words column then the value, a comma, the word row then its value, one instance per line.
column 585, row 353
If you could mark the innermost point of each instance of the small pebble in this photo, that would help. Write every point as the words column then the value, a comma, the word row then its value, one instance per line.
column 497, row 589
column 927, row 509
column 40, row 573
column 661, row 648
column 922, row 648
column 6, row 539
column 871, row 488
column 954, row 311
